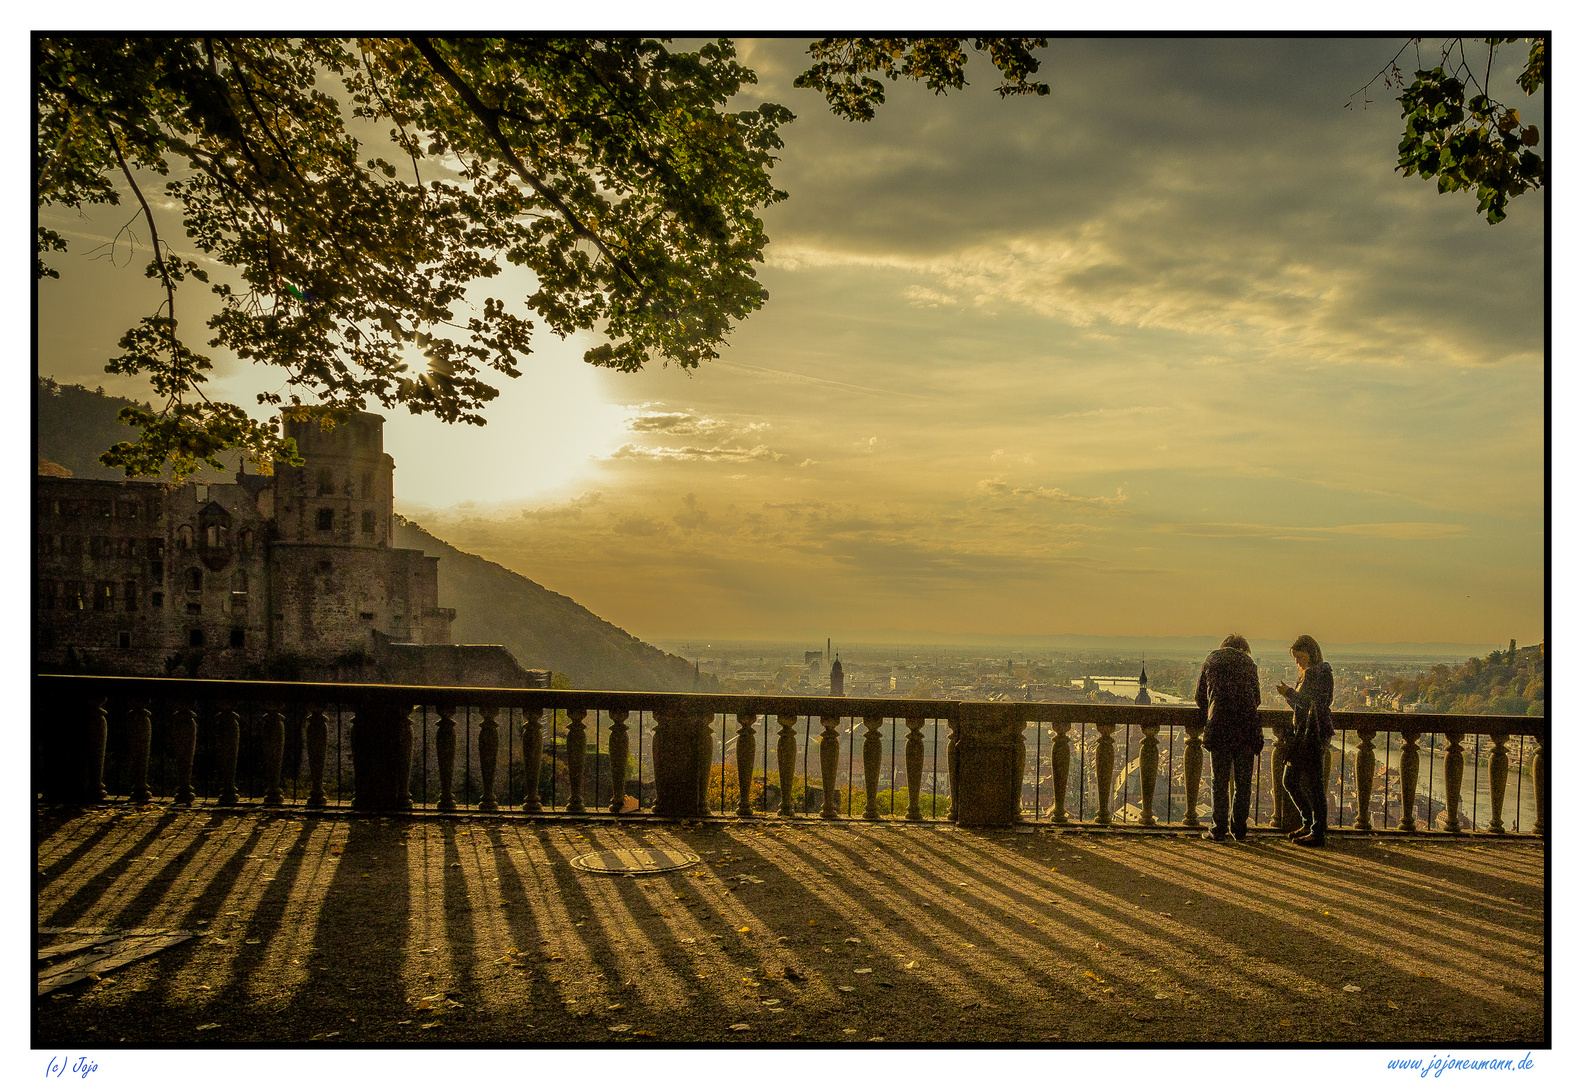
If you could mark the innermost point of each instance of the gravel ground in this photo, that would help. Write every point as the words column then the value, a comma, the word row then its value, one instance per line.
column 471, row 931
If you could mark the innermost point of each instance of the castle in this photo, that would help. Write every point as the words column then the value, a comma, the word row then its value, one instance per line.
column 284, row 576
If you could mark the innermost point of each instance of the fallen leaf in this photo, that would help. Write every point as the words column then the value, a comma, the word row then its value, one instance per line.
column 1352, row 989
column 772, row 1001
column 426, row 1027
column 744, row 929
column 619, row 1027
column 1392, row 1005
column 206, row 1027
column 863, row 971
column 646, row 1033
column 912, row 964
column 846, row 989
column 1161, row 997
column 741, row 1027
column 853, row 941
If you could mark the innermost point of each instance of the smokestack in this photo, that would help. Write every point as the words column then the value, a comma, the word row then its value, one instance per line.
column 827, row 653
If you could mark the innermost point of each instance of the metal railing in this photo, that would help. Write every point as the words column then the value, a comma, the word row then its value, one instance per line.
column 393, row 748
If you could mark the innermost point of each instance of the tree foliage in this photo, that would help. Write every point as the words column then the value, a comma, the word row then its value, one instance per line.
column 1500, row 684
column 361, row 194
column 1471, row 142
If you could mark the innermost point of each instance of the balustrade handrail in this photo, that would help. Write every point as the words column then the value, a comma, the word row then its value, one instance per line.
column 121, row 686
column 985, row 753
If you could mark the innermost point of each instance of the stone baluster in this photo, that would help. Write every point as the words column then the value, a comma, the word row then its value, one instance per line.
column 619, row 747
column 1285, row 814
column 1540, row 787
column 952, row 762
column 1365, row 764
column 1149, row 755
column 98, row 735
column 228, row 732
column 273, row 747
column 404, row 743
column 872, row 758
column 1192, row 764
column 1409, row 769
column 746, row 748
column 489, row 756
column 829, row 764
column 1060, row 755
column 576, row 756
column 445, row 757
column 532, row 757
column 785, row 758
column 318, row 744
column 140, row 732
column 184, row 744
column 914, row 768
column 1499, row 769
column 1106, row 770
column 1455, row 768
column 703, row 759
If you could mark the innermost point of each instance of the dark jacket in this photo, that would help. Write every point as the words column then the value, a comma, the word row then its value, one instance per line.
column 1312, row 725
column 1227, row 692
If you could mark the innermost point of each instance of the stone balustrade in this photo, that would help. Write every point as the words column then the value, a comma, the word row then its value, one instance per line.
column 384, row 749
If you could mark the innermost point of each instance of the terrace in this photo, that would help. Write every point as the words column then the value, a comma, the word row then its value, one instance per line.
column 369, row 864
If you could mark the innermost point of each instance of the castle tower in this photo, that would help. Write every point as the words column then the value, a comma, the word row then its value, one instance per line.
column 837, row 679
column 344, row 493
column 1142, row 687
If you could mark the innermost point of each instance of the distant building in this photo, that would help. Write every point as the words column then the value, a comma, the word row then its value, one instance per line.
column 837, row 679
column 1142, row 688
column 286, row 576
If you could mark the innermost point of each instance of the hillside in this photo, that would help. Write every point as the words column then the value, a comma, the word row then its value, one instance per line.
column 1505, row 683
column 543, row 629
column 76, row 425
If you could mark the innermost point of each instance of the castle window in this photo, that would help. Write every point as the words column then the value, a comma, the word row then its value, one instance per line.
column 202, row 491
column 184, row 538
column 239, row 582
column 104, row 596
column 156, row 569
column 129, row 591
column 194, row 580
column 247, row 541
column 194, row 609
column 368, row 485
column 238, row 637
column 195, row 637
column 368, row 521
column 326, row 483
column 156, row 546
column 125, row 639
column 156, row 600
column 326, row 520
column 100, row 508
column 128, row 508
column 98, row 546
column 74, row 597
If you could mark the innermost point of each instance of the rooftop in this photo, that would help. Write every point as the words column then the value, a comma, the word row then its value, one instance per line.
column 418, row 929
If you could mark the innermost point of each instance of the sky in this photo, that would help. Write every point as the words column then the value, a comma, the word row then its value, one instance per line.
column 1170, row 351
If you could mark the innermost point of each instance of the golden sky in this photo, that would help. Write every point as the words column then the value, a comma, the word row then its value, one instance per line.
column 1171, row 351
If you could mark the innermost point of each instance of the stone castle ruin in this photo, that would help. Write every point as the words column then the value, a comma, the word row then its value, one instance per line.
column 288, row 576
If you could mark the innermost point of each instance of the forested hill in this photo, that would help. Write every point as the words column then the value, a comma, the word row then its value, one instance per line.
column 1504, row 683
column 76, row 425
column 543, row 629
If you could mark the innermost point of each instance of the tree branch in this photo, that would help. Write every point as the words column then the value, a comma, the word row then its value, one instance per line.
column 489, row 118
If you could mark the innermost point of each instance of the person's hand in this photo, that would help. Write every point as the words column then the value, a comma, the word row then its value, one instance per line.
column 1285, row 690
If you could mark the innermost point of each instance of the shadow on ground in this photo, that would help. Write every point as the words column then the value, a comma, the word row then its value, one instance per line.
column 480, row 931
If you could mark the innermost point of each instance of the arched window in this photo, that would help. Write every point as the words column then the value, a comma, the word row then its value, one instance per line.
column 247, row 541
column 239, row 582
column 184, row 538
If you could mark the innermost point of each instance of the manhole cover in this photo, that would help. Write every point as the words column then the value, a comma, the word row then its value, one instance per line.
column 648, row 860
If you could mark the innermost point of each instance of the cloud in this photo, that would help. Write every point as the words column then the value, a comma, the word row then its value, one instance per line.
column 686, row 424
column 637, row 525
column 1383, row 530
column 998, row 488
column 697, row 453
column 570, row 511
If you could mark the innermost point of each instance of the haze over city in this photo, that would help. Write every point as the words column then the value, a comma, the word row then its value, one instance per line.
column 1171, row 352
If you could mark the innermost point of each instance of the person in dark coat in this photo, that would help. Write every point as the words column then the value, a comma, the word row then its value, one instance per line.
column 1311, row 729
column 1227, row 695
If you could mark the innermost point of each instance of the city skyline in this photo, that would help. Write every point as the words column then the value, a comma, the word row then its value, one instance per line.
column 1170, row 352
